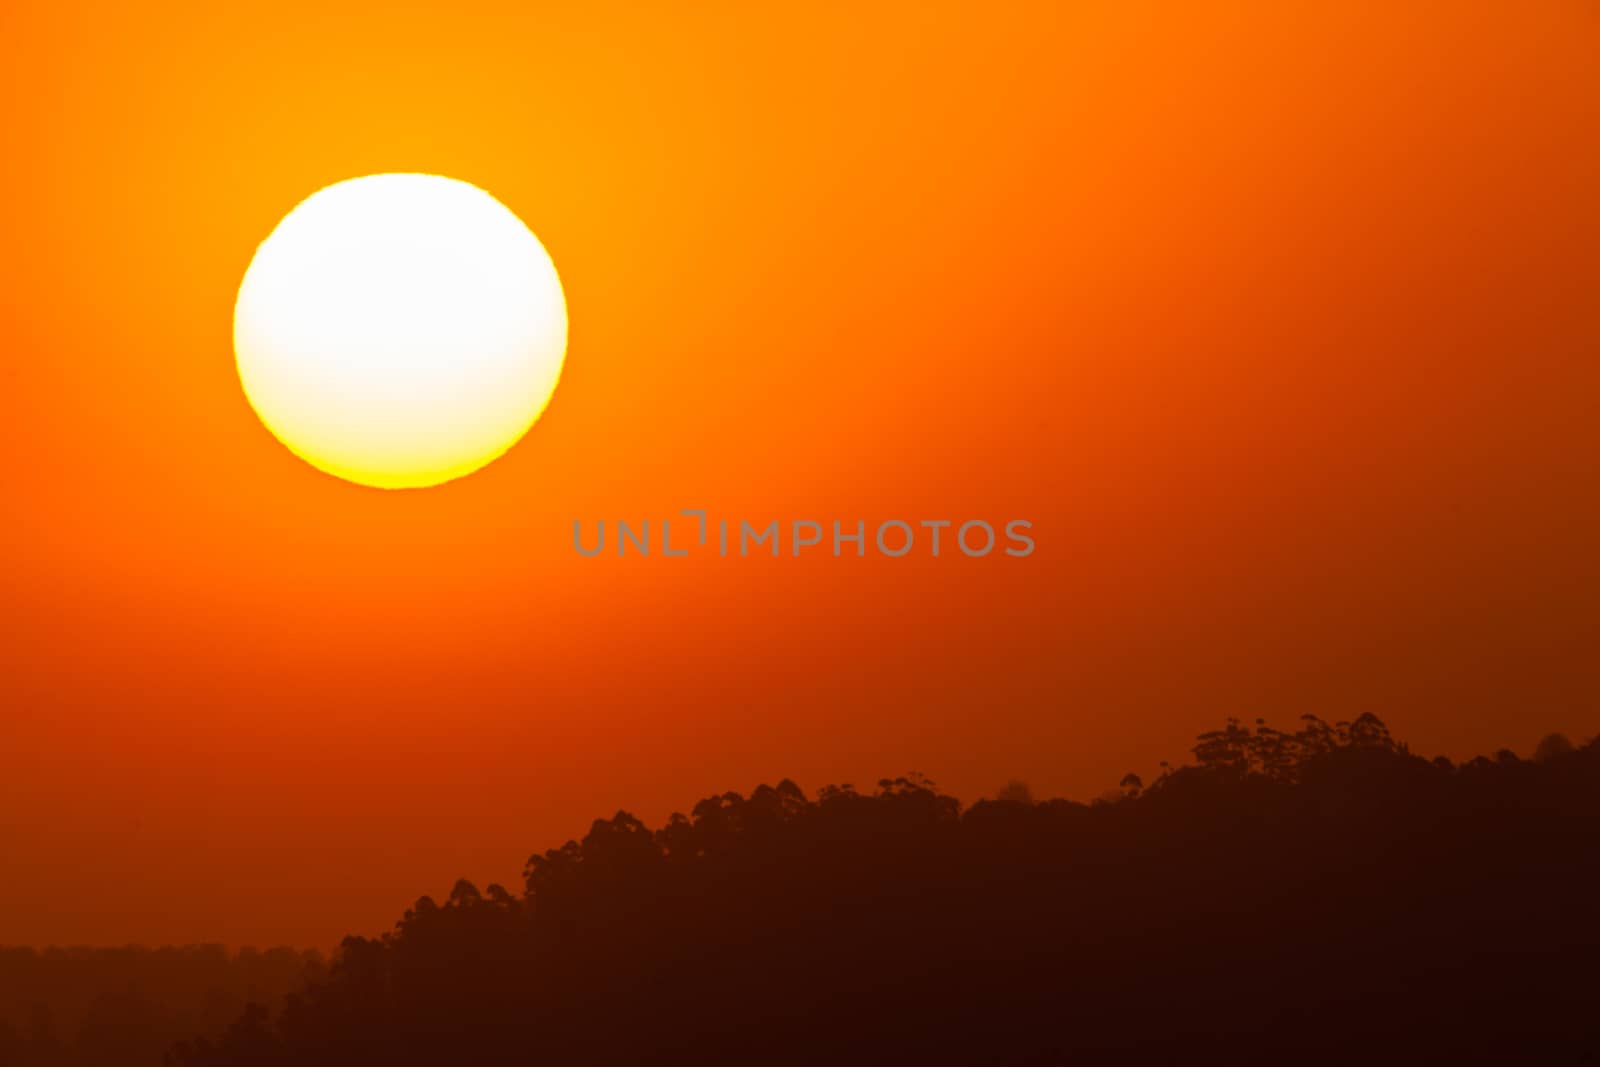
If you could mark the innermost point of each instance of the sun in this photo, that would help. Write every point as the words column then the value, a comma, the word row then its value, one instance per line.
column 400, row 330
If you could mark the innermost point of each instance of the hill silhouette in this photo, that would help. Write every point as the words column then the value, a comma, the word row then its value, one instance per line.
column 126, row 1007
column 1319, row 895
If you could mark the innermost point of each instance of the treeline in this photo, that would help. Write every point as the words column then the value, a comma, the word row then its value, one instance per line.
column 127, row 1007
column 1317, row 895
column 1314, row 895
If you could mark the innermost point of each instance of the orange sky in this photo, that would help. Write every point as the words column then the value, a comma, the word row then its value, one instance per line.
column 1281, row 328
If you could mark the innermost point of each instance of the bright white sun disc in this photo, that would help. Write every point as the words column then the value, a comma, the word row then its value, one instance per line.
column 400, row 330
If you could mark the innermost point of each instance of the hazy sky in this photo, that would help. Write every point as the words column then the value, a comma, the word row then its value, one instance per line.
column 1281, row 327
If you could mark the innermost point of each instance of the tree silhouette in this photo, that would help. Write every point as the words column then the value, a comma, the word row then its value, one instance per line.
column 1553, row 746
column 1320, row 895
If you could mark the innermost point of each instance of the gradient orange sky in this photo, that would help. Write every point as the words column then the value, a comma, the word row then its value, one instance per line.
column 1281, row 326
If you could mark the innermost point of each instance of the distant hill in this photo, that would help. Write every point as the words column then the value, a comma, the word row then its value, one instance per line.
column 1319, row 895
column 127, row 1006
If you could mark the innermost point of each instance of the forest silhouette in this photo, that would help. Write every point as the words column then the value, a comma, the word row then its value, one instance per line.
column 1319, row 895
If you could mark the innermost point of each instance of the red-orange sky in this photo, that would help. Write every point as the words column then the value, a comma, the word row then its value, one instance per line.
column 1281, row 323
